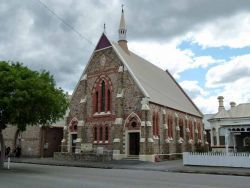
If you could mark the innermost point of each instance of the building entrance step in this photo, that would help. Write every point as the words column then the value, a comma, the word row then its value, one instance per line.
column 132, row 157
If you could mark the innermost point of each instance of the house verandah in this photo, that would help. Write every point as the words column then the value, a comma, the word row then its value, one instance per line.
column 237, row 138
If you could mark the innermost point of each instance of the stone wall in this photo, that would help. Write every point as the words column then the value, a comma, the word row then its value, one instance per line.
column 81, row 156
column 9, row 136
column 29, row 140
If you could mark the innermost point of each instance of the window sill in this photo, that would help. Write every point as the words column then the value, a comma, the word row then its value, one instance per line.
column 101, row 142
column 102, row 113
column 156, row 137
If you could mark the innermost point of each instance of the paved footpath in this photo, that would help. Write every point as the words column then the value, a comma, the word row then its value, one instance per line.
column 164, row 166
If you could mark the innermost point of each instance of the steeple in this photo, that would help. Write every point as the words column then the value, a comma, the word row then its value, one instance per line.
column 122, row 33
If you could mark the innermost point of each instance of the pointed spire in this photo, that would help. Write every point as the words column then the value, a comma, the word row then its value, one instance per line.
column 122, row 21
column 122, row 33
column 104, row 28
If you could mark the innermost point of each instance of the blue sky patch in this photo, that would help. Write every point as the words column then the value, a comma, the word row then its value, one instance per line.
column 216, row 52
column 194, row 74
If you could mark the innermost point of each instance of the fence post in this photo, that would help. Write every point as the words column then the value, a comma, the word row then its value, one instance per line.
column 8, row 165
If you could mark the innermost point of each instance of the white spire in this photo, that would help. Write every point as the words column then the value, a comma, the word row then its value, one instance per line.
column 122, row 29
column 122, row 33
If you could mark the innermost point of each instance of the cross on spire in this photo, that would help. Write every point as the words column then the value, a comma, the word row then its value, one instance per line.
column 104, row 28
column 122, row 7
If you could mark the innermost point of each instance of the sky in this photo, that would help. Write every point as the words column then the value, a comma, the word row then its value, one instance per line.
column 205, row 44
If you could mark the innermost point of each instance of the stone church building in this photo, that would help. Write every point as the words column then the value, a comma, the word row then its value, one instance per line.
column 125, row 104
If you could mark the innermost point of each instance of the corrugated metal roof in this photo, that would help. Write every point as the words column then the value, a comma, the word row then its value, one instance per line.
column 157, row 84
column 239, row 111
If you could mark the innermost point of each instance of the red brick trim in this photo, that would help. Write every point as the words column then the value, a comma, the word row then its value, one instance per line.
column 100, row 118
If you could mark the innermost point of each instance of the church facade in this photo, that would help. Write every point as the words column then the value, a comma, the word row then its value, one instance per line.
column 125, row 104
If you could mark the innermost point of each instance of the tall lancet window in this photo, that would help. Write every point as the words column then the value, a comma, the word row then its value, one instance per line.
column 101, row 134
column 109, row 100
column 96, row 101
column 103, row 97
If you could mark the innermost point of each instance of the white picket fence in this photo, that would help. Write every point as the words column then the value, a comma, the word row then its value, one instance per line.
column 217, row 159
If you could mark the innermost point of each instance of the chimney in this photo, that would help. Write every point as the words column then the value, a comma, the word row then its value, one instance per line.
column 232, row 104
column 221, row 105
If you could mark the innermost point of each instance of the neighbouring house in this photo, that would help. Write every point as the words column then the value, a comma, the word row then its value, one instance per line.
column 230, row 129
column 125, row 104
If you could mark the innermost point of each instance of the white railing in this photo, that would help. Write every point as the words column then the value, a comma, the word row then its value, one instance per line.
column 217, row 159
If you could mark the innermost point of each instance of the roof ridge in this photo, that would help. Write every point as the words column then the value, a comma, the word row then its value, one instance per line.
column 183, row 92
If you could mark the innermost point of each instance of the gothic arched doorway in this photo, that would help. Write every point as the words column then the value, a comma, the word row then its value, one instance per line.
column 132, row 131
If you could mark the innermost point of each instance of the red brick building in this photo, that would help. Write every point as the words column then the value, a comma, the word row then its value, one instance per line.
column 126, row 104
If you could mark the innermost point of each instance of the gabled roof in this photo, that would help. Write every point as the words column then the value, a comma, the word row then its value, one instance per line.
column 103, row 42
column 239, row 111
column 157, row 84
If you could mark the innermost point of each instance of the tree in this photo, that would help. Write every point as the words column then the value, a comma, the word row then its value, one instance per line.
column 28, row 97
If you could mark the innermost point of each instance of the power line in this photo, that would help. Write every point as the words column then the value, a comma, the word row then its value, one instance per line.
column 64, row 22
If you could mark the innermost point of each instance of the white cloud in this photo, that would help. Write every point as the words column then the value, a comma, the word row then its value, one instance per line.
column 233, row 31
column 193, row 89
column 207, row 105
column 168, row 56
column 203, row 99
column 228, row 72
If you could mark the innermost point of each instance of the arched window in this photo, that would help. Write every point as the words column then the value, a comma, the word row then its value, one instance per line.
column 199, row 130
column 106, row 133
column 157, row 125
column 181, row 128
column 170, row 127
column 191, row 129
column 109, row 101
column 154, row 124
column 96, row 102
column 103, row 97
column 95, row 133
column 101, row 134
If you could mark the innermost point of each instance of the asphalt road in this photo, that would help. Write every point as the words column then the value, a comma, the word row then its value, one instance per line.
column 39, row 176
